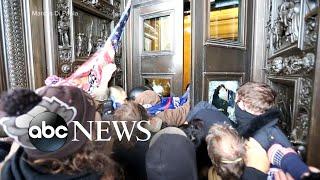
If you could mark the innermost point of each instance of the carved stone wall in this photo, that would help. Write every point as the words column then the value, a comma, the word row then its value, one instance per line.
column 290, row 62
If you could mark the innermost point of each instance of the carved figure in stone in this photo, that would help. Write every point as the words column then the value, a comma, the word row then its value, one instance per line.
column 277, row 65
column 63, row 30
column 300, row 132
column 80, row 39
column 305, row 92
column 289, row 16
column 311, row 34
column 296, row 65
column 277, row 34
column 293, row 28
column 285, row 12
column 308, row 62
column 90, row 44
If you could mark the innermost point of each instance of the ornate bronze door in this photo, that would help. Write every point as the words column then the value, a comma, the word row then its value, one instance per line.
column 221, row 50
column 157, row 47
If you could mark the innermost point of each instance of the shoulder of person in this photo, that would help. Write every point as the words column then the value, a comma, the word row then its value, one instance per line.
column 275, row 135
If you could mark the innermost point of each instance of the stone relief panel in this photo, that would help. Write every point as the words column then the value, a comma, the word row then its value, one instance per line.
column 310, row 27
column 82, row 28
column 90, row 33
column 285, row 102
column 100, row 5
column 64, row 37
column 291, row 40
column 291, row 65
column 284, row 23
column 294, row 102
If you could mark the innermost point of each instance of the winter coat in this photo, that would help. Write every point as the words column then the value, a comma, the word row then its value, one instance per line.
column 264, row 129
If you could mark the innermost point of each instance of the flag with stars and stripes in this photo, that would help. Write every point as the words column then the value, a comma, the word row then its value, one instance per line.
column 94, row 75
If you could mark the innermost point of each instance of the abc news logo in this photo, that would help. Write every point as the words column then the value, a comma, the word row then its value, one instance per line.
column 48, row 131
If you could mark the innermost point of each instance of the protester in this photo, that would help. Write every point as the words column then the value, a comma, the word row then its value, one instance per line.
column 171, row 110
column 227, row 151
column 171, row 156
column 256, row 161
column 82, row 159
column 289, row 164
column 136, row 91
column 288, row 161
column 117, row 95
column 256, row 115
column 15, row 103
column 131, row 154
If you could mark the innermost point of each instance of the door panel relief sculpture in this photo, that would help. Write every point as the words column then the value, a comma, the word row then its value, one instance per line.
column 291, row 37
column 82, row 28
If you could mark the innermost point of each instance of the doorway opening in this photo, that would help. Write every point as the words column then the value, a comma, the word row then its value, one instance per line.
column 186, row 44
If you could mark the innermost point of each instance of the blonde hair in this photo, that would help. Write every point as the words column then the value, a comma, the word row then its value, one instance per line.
column 226, row 150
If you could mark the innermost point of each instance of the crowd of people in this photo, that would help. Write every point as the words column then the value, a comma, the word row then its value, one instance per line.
column 187, row 142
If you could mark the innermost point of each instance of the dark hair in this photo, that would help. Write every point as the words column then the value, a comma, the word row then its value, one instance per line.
column 19, row 101
column 226, row 150
column 195, row 131
column 92, row 157
column 258, row 97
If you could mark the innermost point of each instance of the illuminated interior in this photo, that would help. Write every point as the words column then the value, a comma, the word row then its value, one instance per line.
column 159, row 85
column 187, row 51
column 157, row 34
column 224, row 20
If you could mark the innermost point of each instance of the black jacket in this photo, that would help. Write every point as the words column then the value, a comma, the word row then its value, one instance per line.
column 132, row 160
column 209, row 114
column 250, row 173
column 17, row 168
column 4, row 150
column 264, row 129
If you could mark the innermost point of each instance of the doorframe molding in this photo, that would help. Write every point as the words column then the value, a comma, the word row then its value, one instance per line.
column 14, row 44
column 3, row 76
column 197, row 51
column 258, row 54
column 313, row 156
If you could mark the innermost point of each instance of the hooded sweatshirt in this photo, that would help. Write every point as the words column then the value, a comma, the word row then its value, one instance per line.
column 17, row 168
column 171, row 156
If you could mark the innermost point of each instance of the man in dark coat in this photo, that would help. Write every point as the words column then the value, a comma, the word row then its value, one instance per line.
column 256, row 115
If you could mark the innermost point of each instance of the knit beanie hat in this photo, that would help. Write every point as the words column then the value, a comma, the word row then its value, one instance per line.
column 71, row 103
column 287, row 160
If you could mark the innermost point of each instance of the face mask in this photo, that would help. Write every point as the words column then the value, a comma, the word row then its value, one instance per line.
column 242, row 116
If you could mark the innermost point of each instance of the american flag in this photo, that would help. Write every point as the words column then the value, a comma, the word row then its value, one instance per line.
column 94, row 75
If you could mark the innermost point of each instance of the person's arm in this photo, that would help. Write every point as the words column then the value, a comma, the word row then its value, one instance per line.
column 256, row 161
column 175, row 117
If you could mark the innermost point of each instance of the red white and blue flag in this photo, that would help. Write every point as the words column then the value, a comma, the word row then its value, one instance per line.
column 94, row 75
